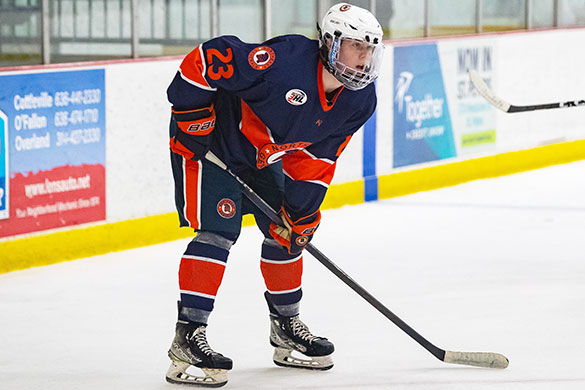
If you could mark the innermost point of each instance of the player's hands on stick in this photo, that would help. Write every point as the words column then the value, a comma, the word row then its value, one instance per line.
column 295, row 235
column 193, row 132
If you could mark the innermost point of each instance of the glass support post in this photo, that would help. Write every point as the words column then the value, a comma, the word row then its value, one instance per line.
column 45, row 32
column 134, row 27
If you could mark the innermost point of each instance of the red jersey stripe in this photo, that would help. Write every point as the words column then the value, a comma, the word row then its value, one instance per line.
column 343, row 145
column 326, row 107
column 303, row 166
column 253, row 129
column 192, row 187
column 193, row 69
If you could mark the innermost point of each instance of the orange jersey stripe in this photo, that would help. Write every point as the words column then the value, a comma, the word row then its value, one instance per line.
column 192, row 186
column 282, row 276
column 209, row 109
column 253, row 129
column 200, row 276
column 302, row 166
column 193, row 69
column 326, row 107
column 343, row 145
column 179, row 148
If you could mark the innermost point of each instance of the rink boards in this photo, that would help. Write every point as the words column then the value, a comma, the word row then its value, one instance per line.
column 430, row 130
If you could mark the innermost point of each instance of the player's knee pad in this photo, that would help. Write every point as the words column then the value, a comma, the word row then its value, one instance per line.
column 215, row 239
column 271, row 242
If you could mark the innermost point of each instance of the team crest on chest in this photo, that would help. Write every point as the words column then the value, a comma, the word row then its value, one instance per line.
column 226, row 208
column 271, row 153
column 296, row 97
column 261, row 57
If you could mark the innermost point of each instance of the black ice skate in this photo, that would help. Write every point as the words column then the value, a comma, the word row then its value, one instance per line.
column 290, row 334
column 190, row 349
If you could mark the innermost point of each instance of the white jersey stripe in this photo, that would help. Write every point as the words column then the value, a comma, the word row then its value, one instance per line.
column 325, row 160
column 321, row 183
column 207, row 259
column 269, row 132
column 185, row 192
column 198, row 294
column 192, row 82
column 199, row 174
column 284, row 291
column 199, row 178
column 196, row 83
column 281, row 261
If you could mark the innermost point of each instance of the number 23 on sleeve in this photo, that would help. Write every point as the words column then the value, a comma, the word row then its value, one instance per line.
column 219, row 64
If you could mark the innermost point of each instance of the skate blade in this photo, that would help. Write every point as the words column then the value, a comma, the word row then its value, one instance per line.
column 177, row 374
column 284, row 357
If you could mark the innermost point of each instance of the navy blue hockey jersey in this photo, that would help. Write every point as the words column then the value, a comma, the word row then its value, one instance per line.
column 271, row 106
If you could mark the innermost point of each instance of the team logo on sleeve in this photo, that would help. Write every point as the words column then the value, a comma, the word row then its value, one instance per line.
column 296, row 97
column 261, row 57
column 226, row 208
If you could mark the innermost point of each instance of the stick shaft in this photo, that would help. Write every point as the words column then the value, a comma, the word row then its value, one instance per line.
column 273, row 215
column 481, row 359
column 436, row 351
column 501, row 104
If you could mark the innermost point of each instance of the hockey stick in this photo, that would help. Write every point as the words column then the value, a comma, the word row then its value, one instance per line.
column 495, row 101
column 479, row 359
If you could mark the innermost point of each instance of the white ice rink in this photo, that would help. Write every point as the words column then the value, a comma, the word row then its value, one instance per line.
column 492, row 265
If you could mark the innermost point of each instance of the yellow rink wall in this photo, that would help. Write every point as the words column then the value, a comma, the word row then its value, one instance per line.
column 40, row 250
column 138, row 180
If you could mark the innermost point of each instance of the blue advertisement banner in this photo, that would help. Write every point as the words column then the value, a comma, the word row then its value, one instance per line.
column 422, row 124
column 56, row 150
column 56, row 118
column 4, row 174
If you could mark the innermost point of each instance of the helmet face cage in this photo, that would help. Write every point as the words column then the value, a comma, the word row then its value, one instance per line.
column 353, row 78
column 342, row 26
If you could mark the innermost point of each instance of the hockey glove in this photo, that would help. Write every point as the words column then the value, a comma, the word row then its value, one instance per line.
column 295, row 235
column 192, row 132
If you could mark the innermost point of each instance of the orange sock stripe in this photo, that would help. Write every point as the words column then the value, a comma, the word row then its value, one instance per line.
column 282, row 276
column 200, row 276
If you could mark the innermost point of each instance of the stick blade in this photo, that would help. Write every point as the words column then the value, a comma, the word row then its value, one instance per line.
column 477, row 359
column 486, row 92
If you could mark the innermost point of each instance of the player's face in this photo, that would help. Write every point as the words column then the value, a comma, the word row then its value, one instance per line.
column 355, row 54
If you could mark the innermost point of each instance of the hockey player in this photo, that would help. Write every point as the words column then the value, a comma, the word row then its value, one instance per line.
column 278, row 114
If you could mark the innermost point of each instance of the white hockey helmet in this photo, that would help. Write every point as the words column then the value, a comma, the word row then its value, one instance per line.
column 350, row 45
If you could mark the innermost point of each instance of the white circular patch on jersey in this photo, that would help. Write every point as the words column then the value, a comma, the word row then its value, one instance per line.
column 296, row 97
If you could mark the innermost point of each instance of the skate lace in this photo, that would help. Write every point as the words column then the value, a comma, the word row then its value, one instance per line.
column 301, row 330
column 200, row 339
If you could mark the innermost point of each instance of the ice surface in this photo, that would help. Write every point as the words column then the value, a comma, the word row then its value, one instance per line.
column 493, row 265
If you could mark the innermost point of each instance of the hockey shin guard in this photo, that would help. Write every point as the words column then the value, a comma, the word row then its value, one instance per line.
column 200, row 275
column 282, row 274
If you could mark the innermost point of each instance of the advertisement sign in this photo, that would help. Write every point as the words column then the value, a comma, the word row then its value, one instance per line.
column 474, row 119
column 422, row 123
column 55, row 142
column 3, row 166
